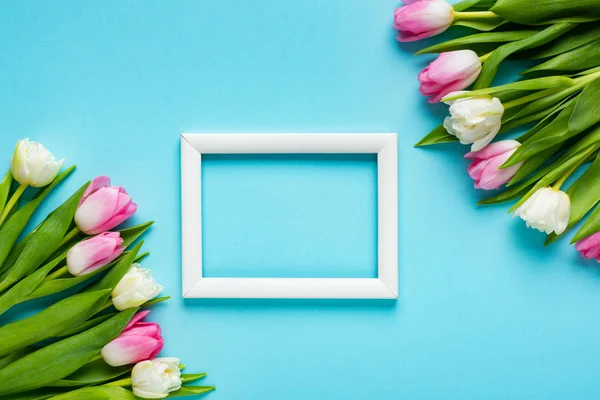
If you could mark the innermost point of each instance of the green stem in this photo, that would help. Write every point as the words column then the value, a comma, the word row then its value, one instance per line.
column 531, row 97
column 462, row 15
column 562, row 180
column 70, row 235
column 122, row 382
column 11, row 203
column 587, row 78
column 58, row 273
column 485, row 56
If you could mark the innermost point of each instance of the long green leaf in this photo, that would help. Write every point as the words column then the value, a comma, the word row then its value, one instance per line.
column 50, row 322
column 548, row 101
column 584, row 195
column 555, row 132
column 18, row 292
column 544, row 11
column 586, row 111
column 97, row 393
column 14, row 356
column 465, row 4
column 487, row 24
column 93, row 373
column 191, row 391
column 438, row 135
column 584, row 57
column 590, row 226
column 12, row 228
column 582, row 34
column 60, row 359
column 491, row 65
column 547, row 82
column 45, row 241
column 532, row 164
column 467, row 42
column 5, row 186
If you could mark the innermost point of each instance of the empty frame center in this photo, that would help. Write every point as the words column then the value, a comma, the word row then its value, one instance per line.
column 289, row 215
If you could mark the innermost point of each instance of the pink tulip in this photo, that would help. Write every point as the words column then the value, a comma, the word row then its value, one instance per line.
column 102, row 207
column 450, row 72
column 589, row 247
column 422, row 19
column 485, row 168
column 139, row 341
column 93, row 253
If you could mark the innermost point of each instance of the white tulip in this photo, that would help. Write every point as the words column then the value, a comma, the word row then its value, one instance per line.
column 135, row 288
column 33, row 165
column 474, row 120
column 155, row 379
column 547, row 210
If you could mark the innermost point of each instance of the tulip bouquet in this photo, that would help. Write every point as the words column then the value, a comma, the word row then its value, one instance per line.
column 556, row 109
column 92, row 341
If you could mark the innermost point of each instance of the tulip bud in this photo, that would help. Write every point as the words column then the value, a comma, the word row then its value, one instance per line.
column 102, row 207
column 139, row 341
column 422, row 19
column 93, row 253
column 155, row 379
column 451, row 71
column 135, row 288
column 485, row 169
column 589, row 247
column 547, row 210
column 474, row 120
column 33, row 165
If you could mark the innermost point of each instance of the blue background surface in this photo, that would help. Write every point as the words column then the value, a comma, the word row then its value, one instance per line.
column 484, row 310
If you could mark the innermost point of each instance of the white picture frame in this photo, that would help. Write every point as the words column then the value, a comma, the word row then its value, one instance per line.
column 195, row 285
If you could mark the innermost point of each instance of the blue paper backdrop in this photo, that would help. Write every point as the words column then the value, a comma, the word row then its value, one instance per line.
column 484, row 310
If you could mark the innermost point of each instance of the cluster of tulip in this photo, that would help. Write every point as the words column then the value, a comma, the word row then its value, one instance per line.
column 560, row 112
column 83, row 345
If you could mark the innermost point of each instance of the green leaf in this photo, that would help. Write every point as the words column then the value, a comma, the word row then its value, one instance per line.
column 97, row 393
column 5, row 189
column 86, row 325
column 467, row 42
column 491, row 65
column 192, row 377
column 12, row 228
column 50, row 322
column 18, row 292
column 584, row 57
column 582, row 34
column 110, row 280
column 590, row 226
column 48, row 287
column 546, row 102
column 555, row 132
column 45, row 241
column 487, row 24
column 60, row 359
column 14, row 356
column 584, row 195
column 130, row 235
column 438, row 135
column 465, row 4
column 544, row 117
column 547, row 82
column 544, row 11
column 154, row 301
column 191, row 391
column 532, row 164
column 93, row 373
column 586, row 111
